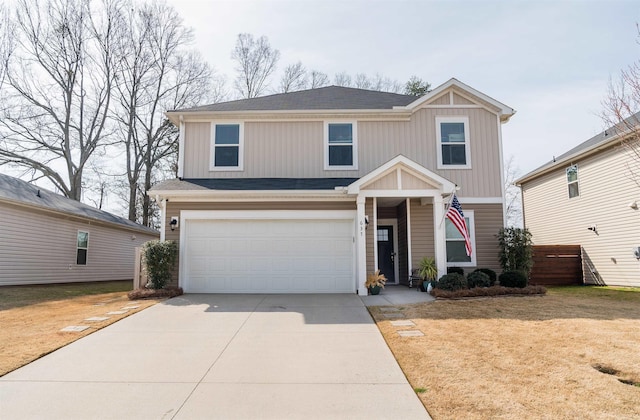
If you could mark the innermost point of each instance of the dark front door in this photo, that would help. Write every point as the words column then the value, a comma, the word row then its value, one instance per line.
column 386, row 255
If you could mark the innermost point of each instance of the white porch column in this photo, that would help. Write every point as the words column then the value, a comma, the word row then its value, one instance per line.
column 163, row 217
column 361, row 250
column 439, row 235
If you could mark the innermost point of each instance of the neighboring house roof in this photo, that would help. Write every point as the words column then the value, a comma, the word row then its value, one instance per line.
column 21, row 192
column 324, row 98
column 253, row 184
column 601, row 140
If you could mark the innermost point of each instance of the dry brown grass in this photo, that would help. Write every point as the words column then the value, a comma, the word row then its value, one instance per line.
column 32, row 316
column 525, row 357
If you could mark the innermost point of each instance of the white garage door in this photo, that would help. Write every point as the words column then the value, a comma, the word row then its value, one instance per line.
column 269, row 256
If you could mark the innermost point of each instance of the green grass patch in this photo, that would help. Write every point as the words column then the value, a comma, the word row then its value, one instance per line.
column 16, row 296
column 626, row 294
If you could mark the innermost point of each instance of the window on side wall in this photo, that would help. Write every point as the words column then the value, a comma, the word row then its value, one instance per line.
column 227, row 147
column 82, row 247
column 452, row 135
column 456, row 254
column 340, row 146
column 572, row 181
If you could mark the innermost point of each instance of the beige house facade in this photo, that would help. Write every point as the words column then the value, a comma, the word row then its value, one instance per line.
column 310, row 191
column 48, row 238
column 588, row 197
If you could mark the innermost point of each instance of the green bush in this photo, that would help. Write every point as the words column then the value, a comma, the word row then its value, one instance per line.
column 493, row 277
column 160, row 258
column 458, row 270
column 478, row 279
column 516, row 250
column 452, row 282
column 513, row 279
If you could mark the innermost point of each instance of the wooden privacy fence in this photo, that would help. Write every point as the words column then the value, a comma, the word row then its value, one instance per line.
column 140, row 270
column 556, row 265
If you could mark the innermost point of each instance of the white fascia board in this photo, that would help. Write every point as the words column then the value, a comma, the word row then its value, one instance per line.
column 252, row 195
column 506, row 112
column 282, row 115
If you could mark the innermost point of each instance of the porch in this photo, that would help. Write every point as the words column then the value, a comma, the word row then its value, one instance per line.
column 394, row 295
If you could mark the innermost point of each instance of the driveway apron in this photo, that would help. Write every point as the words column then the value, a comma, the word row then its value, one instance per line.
column 221, row 357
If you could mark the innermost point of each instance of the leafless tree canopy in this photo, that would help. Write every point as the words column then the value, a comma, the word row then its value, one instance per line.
column 255, row 62
column 293, row 78
column 318, row 79
column 513, row 201
column 57, row 89
column 621, row 115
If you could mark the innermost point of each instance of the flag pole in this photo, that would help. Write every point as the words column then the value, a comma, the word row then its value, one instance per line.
column 453, row 193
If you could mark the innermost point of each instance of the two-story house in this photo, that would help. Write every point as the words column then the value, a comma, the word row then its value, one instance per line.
column 309, row 191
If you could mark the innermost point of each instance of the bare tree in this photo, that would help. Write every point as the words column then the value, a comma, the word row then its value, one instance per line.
column 256, row 61
column 621, row 115
column 294, row 78
column 57, row 90
column 513, row 201
column 157, row 73
column 318, row 79
column 342, row 79
column 361, row 81
column 6, row 40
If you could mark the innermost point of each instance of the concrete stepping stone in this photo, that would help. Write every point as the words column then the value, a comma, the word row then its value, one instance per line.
column 126, row 308
column 74, row 328
column 411, row 333
column 405, row 323
column 97, row 318
column 393, row 315
column 116, row 312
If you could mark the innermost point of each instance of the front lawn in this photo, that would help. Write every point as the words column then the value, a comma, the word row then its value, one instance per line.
column 571, row 354
column 31, row 317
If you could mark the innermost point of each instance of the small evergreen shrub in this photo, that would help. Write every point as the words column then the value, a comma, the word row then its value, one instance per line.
column 478, row 279
column 493, row 277
column 452, row 282
column 160, row 258
column 513, row 279
column 458, row 270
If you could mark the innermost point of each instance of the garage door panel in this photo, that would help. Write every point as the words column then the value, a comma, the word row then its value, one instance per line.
column 262, row 256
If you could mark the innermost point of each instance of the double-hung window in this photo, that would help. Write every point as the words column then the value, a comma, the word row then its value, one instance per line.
column 82, row 247
column 572, row 181
column 456, row 253
column 453, row 141
column 227, row 142
column 340, row 141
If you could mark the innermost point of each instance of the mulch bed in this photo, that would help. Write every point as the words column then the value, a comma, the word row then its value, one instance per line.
column 145, row 293
column 488, row 292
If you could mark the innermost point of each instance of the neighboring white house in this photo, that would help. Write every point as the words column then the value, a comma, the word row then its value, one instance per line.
column 587, row 197
column 48, row 238
column 307, row 192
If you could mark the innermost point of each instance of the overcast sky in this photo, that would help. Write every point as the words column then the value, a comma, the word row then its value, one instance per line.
column 549, row 60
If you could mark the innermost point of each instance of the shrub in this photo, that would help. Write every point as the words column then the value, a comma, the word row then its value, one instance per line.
column 160, row 258
column 458, row 270
column 513, row 279
column 478, row 279
column 452, row 282
column 492, row 274
column 516, row 250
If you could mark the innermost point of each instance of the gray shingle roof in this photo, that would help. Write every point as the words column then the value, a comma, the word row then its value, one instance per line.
column 599, row 139
column 330, row 97
column 17, row 190
column 254, row 184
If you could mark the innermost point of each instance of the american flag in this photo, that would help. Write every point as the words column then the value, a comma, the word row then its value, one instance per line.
column 455, row 214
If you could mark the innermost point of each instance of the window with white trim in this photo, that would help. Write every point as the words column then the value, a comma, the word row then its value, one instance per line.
column 340, row 143
column 452, row 134
column 456, row 254
column 227, row 141
column 572, row 181
column 82, row 247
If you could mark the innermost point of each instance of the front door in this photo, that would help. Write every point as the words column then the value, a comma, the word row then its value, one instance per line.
column 386, row 254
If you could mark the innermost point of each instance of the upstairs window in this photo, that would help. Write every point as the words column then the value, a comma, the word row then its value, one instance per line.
column 226, row 147
column 82, row 247
column 452, row 134
column 572, row 181
column 340, row 146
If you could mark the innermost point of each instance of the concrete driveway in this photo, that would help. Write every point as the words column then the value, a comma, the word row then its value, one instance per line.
column 222, row 357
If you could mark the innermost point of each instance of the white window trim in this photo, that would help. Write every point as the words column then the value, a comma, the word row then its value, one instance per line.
column 469, row 214
column 354, row 145
column 212, row 147
column 467, row 141
column 577, row 181
column 86, row 262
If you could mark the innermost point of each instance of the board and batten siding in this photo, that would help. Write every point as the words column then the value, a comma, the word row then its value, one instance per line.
column 40, row 248
column 295, row 149
column 606, row 191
